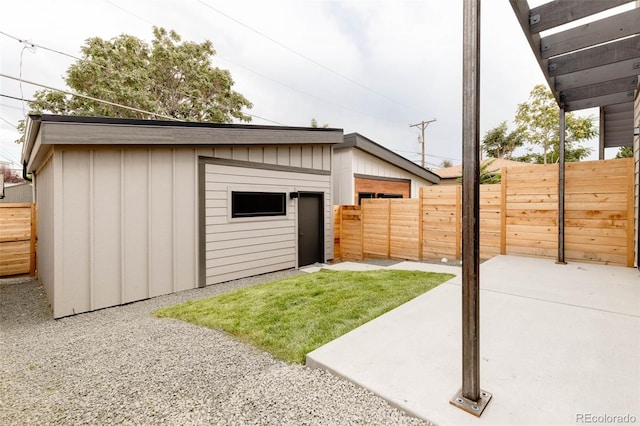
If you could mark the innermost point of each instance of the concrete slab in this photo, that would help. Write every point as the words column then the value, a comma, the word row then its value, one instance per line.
column 550, row 353
column 342, row 266
column 427, row 267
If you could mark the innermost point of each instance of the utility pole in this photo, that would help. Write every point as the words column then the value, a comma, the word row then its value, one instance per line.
column 422, row 125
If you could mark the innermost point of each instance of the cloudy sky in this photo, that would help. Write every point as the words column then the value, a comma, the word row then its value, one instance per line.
column 367, row 66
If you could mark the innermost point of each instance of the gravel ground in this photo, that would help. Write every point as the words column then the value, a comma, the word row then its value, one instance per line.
column 123, row 365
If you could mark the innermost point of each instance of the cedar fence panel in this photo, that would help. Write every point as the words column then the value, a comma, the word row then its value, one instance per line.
column 17, row 239
column 518, row 216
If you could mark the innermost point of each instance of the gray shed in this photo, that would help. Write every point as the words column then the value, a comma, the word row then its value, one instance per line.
column 131, row 209
column 17, row 193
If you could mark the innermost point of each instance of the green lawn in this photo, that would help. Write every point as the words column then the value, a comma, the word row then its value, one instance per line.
column 293, row 316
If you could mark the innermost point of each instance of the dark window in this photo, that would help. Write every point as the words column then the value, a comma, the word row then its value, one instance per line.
column 252, row 204
column 364, row 195
column 381, row 195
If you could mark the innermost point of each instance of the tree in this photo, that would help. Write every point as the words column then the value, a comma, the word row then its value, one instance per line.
column 538, row 122
column 168, row 77
column 498, row 144
column 314, row 124
column 486, row 175
column 625, row 152
column 9, row 175
column 446, row 163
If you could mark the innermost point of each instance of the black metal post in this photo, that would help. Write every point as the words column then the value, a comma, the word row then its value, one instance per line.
column 561, row 187
column 470, row 398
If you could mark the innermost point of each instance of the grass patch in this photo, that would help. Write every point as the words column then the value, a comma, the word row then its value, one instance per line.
column 293, row 316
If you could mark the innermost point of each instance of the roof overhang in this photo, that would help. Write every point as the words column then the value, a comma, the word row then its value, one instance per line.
column 595, row 64
column 356, row 140
column 45, row 131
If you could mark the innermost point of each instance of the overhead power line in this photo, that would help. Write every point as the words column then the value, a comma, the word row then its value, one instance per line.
column 91, row 98
column 31, row 44
column 302, row 55
column 34, row 45
column 9, row 123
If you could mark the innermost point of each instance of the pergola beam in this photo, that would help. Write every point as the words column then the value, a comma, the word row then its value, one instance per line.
column 628, row 68
column 562, row 12
column 616, row 98
column 610, row 53
column 608, row 87
column 597, row 32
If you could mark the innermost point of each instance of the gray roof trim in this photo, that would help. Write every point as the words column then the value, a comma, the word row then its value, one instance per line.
column 55, row 118
column 356, row 140
column 79, row 130
column 262, row 166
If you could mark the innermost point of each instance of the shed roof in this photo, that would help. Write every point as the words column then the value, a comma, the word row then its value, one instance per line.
column 595, row 64
column 81, row 130
column 356, row 140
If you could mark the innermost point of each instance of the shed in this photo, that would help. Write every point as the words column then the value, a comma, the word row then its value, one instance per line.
column 365, row 169
column 132, row 209
column 17, row 193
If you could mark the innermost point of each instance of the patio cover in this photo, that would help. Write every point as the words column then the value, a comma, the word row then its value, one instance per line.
column 592, row 63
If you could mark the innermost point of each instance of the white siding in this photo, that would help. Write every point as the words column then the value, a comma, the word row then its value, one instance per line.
column 242, row 247
column 350, row 162
column 128, row 229
column 343, row 181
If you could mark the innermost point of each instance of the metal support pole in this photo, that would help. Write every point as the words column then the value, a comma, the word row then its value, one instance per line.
column 471, row 398
column 601, row 135
column 561, row 187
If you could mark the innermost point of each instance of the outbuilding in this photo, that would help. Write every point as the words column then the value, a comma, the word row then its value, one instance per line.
column 131, row 209
column 365, row 169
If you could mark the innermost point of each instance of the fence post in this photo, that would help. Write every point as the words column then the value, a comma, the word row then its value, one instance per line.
column 503, row 210
column 630, row 215
column 420, row 230
column 34, row 231
column 388, row 228
column 458, row 217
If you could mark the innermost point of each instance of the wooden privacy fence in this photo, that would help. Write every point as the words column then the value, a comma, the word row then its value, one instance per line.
column 517, row 216
column 17, row 239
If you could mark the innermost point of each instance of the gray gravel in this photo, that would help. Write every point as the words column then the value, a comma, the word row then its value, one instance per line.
column 123, row 365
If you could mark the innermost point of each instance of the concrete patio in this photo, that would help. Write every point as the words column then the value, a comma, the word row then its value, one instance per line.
column 560, row 344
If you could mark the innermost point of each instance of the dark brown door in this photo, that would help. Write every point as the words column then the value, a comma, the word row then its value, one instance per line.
column 310, row 229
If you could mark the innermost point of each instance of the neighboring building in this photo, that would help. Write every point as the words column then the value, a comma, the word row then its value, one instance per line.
column 132, row 209
column 17, row 193
column 364, row 169
column 452, row 175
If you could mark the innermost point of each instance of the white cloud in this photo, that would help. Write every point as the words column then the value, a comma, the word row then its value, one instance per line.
column 409, row 51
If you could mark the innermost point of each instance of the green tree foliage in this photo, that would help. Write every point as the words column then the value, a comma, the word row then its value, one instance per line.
column 314, row 124
column 497, row 143
column 538, row 122
column 488, row 175
column 625, row 152
column 446, row 163
column 167, row 77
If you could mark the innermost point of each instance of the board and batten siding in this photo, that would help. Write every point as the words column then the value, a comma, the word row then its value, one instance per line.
column 44, row 198
column 123, row 225
column 120, row 224
column 351, row 162
column 241, row 247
